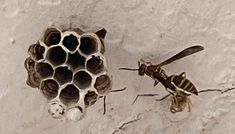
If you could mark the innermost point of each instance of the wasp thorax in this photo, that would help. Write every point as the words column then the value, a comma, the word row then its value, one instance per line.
column 69, row 66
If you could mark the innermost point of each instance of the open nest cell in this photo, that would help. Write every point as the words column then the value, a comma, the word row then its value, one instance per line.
column 95, row 65
column 90, row 98
column 44, row 70
column 36, row 51
column 103, row 84
column 63, row 75
column 33, row 79
column 69, row 95
column 56, row 56
column 49, row 88
column 88, row 45
column 75, row 61
column 52, row 36
column 70, row 42
column 82, row 79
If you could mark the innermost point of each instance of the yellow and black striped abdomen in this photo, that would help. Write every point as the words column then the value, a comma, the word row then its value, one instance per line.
column 183, row 83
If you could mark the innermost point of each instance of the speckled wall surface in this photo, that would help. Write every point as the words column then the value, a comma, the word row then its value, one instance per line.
column 151, row 29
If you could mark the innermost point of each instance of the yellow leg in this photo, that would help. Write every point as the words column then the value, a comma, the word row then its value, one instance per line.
column 189, row 105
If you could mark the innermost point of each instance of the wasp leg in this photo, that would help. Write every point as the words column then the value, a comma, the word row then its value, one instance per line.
column 104, row 112
column 138, row 63
column 139, row 95
column 189, row 105
column 118, row 90
column 229, row 89
column 163, row 98
column 183, row 74
column 155, row 83
column 217, row 90
column 170, row 91
column 174, row 103
column 209, row 90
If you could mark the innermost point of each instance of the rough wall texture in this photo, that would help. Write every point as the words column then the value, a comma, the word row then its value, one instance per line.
column 153, row 30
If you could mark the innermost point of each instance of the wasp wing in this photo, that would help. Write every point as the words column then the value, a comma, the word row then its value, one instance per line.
column 186, row 52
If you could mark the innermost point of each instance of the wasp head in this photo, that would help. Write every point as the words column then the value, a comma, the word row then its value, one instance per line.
column 142, row 68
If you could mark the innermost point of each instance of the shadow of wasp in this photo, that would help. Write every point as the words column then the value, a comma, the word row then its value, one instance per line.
column 178, row 86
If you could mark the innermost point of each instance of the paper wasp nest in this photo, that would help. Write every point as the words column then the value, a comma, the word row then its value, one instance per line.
column 69, row 68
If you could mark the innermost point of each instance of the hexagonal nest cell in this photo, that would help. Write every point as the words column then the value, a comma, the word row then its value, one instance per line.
column 33, row 79
column 52, row 36
column 56, row 56
column 44, row 70
column 70, row 42
column 36, row 51
column 88, row 45
column 69, row 95
column 103, row 84
column 95, row 65
column 63, row 75
column 90, row 98
column 76, row 61
column 49, row 88
column 82, row 79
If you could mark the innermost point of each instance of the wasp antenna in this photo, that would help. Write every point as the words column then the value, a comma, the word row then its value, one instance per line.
column 138, row 63
column 229, row 89
column 210, row 90
column 130, row 69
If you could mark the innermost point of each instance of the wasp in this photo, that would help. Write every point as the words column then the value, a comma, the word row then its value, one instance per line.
column 178, row 86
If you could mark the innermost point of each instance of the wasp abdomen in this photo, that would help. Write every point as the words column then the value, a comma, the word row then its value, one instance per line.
column 183, row 83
